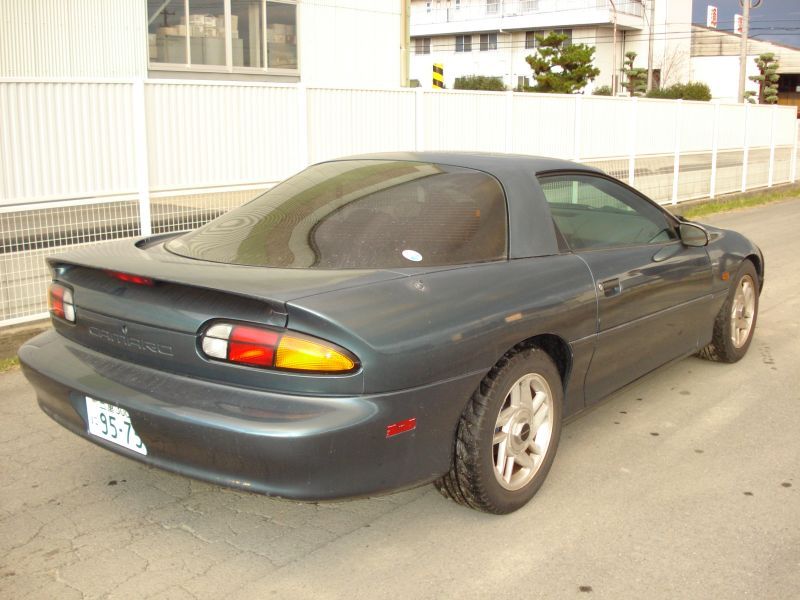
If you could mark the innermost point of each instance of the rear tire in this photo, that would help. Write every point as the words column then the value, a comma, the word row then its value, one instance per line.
column 736, row 321
column 508, row 435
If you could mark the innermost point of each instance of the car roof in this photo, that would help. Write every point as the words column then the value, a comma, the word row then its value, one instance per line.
column 531, row 231
column 484, row 161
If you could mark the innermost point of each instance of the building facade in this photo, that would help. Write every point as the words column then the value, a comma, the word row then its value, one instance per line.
column 715, row 60
column 318, row 43
column 493, row 37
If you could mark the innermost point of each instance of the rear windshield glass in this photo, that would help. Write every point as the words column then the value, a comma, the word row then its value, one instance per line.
column 361, row 214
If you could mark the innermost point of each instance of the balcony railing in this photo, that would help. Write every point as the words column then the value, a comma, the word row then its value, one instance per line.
column 489, row 9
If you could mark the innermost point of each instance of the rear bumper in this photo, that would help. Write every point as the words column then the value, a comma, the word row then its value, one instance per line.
column 302, row 447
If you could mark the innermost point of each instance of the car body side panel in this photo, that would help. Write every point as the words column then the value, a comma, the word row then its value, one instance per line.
column 434, row 327
column 656, row 310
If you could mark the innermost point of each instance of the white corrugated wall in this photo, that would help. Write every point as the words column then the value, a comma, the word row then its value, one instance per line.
column 73, row 38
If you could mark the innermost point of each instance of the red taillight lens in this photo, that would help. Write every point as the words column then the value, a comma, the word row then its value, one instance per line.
column 252, row 346
column 267, row 348
column 59, row 299
column 137, row 279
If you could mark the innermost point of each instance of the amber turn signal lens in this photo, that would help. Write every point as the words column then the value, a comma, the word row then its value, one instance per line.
column 304, row 355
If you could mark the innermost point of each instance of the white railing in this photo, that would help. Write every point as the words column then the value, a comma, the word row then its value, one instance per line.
column 488, row 9
column 86, row 161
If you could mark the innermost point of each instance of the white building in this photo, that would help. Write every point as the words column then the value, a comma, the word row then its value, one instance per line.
column 715, row 60
column 318, row 43
column 493, row 37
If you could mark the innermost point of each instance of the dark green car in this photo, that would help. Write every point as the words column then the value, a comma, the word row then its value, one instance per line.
column 384, row 321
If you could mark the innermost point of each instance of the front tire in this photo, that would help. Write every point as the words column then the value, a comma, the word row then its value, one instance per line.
column 736, row 321
column 508, row 435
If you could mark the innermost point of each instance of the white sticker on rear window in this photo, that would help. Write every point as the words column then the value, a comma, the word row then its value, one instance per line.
column 412, row 255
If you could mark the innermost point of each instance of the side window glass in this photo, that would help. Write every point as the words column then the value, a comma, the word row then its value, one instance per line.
column 593, row 212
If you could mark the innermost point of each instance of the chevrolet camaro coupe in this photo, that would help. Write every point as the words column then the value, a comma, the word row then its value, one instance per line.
column 383, row 321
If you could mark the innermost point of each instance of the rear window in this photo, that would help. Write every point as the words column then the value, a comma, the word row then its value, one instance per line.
column 361, row 214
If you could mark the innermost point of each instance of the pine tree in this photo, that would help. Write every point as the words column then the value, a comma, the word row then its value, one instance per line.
column 767, row 79
column 560, row 69
column 636, row 83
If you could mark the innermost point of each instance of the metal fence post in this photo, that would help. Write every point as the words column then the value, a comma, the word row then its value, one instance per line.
column 304, row 159
column 632, row 141
column 576, row 138
column 509, row 145
column 140, row 154
column 419, row 118
column 772, row 145
column 712, row 185
column 676, row 163
column 746, row 149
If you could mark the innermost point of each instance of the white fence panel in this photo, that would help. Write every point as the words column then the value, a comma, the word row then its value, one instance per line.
column 655, row 132
column 349, row 121
column 759, row 125
column 604, row 127
column 731, row 126
column 785, row 132
column 208, row 135
column 65, row 140
column 696, row 122
column 544, row 125
column 464, row 121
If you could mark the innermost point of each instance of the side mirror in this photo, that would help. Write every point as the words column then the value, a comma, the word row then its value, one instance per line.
column 693, row 235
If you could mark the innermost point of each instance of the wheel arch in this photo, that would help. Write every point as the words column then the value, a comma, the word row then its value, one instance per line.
column 758, row 263
column 556, row 347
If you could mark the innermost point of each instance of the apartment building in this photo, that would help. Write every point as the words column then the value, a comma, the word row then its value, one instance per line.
column 493, row 37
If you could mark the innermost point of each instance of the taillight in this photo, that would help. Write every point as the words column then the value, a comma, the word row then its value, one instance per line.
column 59, row 300
column 271, row 349
column 137, row 279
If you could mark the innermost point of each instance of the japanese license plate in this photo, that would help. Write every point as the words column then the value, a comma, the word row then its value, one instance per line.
column 113, row 423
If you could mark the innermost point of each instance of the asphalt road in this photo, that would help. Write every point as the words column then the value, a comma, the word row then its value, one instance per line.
column 686, row 485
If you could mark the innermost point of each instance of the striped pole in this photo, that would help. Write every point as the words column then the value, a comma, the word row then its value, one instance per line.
column 438, row 76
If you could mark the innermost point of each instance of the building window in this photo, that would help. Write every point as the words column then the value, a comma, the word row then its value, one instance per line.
column 532, row 42
column 223, row 35
column 492, row 7
column 463, row 43
column 427, row 7
column 566, row 32
column 488, row 41
column 422, row 45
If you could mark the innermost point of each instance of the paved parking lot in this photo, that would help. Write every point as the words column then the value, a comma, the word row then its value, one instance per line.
column 685, row 485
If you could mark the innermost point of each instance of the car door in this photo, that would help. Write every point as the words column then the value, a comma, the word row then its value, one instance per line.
column 653, row 292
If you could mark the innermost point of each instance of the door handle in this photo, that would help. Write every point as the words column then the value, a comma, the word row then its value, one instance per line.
column 610, row 287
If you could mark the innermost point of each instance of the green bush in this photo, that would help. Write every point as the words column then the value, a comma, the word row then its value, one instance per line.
column 480, row 82
column 603, row 90
column 694, row 90
column 697, row 90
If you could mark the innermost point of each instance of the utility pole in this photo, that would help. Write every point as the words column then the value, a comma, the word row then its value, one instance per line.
column 746, row 6
column 405, row 41
column 650, row 44
column 743, row 48
column 614, row 52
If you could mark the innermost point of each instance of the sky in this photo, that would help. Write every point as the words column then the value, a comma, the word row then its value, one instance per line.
column 774, row 20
